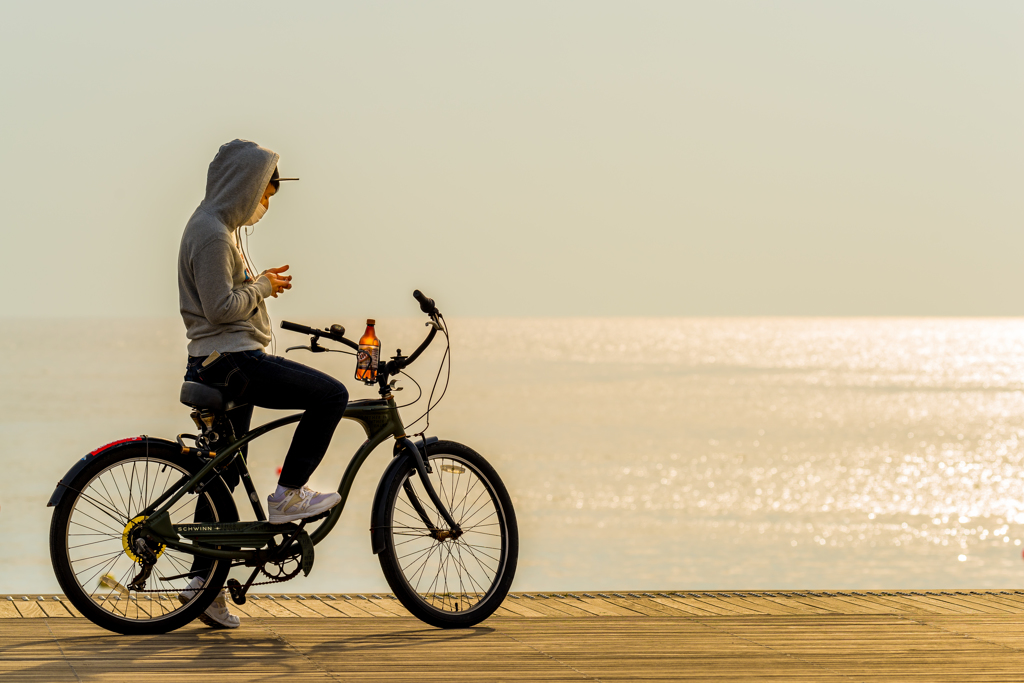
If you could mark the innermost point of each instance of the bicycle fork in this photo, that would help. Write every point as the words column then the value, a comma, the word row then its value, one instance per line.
column 423, row 469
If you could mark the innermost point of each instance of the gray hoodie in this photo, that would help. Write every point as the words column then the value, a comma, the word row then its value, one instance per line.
column 222, row 312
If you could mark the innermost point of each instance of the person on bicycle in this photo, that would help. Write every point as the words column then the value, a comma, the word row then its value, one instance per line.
column 223, row 306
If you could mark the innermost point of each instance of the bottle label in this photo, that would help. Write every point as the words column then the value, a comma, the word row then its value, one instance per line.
column 368, row 358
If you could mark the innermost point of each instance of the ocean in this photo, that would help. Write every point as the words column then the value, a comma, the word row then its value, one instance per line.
column 641, row 453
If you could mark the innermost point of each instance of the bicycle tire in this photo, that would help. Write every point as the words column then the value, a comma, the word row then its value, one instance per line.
column 94, row 506
column 484, row 558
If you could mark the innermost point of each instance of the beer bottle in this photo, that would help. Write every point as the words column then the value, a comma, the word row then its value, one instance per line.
column 369, row 354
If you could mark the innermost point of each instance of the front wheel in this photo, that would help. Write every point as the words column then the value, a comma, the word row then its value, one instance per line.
column 446, row 581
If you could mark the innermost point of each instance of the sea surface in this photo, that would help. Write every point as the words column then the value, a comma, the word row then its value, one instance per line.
column 641, row 453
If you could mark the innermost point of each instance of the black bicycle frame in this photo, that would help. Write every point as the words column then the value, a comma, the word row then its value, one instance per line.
column 379, row 419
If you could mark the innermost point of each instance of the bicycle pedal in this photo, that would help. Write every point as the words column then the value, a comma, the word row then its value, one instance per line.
column 237, row 592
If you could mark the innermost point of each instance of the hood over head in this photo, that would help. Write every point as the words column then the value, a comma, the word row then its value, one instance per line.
column 237, row 178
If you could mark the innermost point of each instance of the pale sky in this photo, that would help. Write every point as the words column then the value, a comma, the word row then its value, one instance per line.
column 526, row 158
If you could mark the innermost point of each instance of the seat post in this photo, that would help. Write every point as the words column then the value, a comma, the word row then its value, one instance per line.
column 203, row 419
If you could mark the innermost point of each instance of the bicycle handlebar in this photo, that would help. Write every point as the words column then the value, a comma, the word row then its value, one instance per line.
column 426, row 305
column 393, row 366
column 295, row 327
column 329, row 334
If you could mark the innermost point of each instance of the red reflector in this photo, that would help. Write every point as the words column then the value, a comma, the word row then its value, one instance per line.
column 114, row 443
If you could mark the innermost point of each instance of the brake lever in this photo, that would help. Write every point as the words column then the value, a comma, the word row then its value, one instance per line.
column 432, row 323
column 313, row 346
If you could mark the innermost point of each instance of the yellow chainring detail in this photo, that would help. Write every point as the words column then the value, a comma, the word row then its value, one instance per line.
column 128, row 550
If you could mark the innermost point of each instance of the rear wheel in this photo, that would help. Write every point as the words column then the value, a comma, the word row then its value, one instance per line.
column 92, row 543
column 446, row 581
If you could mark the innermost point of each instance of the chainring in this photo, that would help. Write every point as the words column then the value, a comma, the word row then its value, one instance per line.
column 282, row 573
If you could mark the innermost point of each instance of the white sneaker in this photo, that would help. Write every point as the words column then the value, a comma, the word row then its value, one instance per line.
column 298, row 504
column 217, row 614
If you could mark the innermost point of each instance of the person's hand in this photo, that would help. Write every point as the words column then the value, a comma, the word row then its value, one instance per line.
column 278, row 282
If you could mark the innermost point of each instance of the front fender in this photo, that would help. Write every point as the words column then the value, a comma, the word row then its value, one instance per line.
column 379, row 513
column 80, row 465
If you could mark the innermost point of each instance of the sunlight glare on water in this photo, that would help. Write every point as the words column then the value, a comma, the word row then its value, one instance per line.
column 641, row 453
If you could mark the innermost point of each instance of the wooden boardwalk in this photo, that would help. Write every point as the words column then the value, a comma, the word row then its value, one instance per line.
column 665, row 636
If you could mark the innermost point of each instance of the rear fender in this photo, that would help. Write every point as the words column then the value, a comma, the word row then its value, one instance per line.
column 154, row 443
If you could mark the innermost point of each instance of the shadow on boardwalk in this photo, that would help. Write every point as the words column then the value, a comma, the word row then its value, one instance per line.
column 883, row 636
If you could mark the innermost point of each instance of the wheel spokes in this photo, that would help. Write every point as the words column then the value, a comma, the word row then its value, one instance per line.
column 99, row 540
column 454, row 574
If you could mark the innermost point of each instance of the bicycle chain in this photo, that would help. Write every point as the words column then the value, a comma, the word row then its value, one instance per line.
column 254, row 583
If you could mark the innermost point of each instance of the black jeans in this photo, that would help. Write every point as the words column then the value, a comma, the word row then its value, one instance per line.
column 258, row 379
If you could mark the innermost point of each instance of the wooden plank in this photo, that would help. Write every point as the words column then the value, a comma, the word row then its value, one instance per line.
column 502, row 612
column 710, row 609
column 318, row 606
column 349, row 608
column 859, row 604
column 720, row 603
column 655, row 606
column 802, row 602
column 542, row 606
column 54, row 609
column 638, row 606
column 71, row 608
column 390, row 605
column 872, row 600
column 1016, row 597
column 275, row 608
column 944, row 603
column 898, row 605
column 29, row 609
column 367, row 605
column 934, row 606
column 520, row 609
column 766, row 605
column 602, row 607
column 840, row 604
column 570, row 606
column 251, row 608
column 977, row 604
column 678, row 601
column 299, row 608
column 1012, row 600
column 8, row 610
column 989, row 601
column 677, row 604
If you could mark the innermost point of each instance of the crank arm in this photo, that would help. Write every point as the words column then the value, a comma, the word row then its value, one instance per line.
column 238, row 591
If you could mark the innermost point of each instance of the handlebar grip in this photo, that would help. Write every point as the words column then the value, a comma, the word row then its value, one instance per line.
column 295, row 327
column 426, row 305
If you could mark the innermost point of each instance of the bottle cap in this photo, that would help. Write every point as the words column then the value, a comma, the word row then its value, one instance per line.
column 371, row 321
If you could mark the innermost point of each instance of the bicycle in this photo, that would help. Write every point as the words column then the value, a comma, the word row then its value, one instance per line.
column 136, row 520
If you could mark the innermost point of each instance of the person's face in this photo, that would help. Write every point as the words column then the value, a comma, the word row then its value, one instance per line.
column 267, row 194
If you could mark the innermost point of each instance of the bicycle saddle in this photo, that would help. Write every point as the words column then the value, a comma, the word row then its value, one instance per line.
column 198, row 395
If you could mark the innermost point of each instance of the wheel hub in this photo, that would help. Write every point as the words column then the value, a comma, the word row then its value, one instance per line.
column 130, row 533
column 446, row 534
